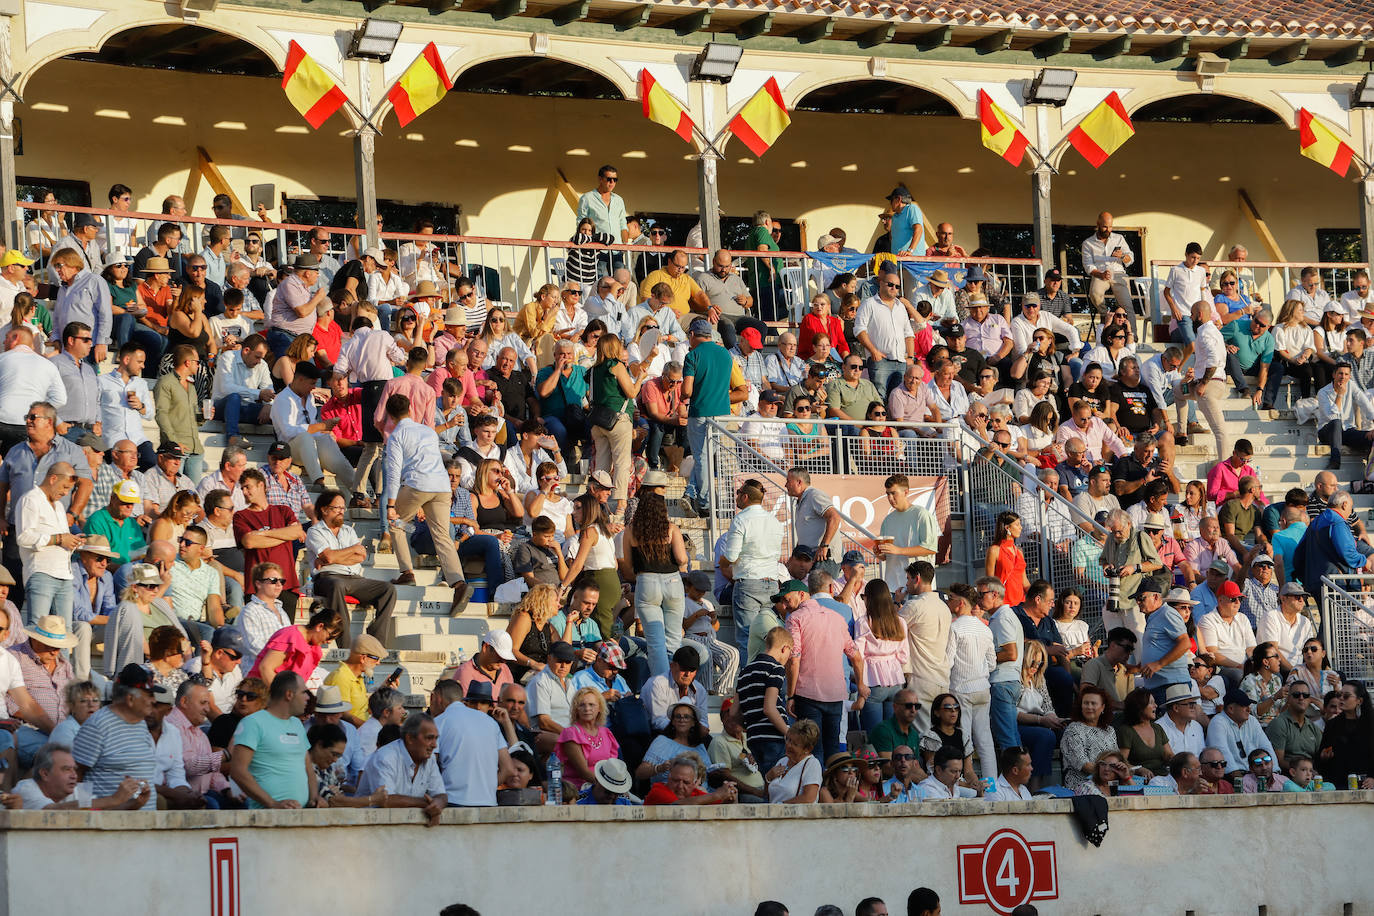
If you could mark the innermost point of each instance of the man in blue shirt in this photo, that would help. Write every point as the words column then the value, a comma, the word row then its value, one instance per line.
column 417, row 480
column 1165, row 647
column 908, row 223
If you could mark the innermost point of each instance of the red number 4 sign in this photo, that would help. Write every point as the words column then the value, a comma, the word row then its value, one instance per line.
column 1006, row 872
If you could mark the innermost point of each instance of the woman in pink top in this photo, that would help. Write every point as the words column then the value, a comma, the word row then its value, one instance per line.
column 587, row 741
column 880, row 634
column 298, row 648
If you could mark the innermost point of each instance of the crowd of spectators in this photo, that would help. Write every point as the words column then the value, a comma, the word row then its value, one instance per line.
column 394, row 385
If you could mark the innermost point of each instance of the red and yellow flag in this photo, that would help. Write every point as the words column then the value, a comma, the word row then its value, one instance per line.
column 1000, row 133
column 309, row 88
column 762, row 118
column 1103, row 131
column 1320, row 144
column 421, row 87
column 661, row 108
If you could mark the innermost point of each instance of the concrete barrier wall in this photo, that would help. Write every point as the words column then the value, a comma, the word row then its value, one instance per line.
column 1219, row 856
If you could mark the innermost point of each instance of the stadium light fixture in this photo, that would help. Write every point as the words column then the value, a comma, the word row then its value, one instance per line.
column 1362, row 96
column 1051, row 86
column 375, row 39
column 716, row 62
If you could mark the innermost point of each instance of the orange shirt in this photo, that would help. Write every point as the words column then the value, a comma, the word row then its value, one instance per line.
column 158, row 304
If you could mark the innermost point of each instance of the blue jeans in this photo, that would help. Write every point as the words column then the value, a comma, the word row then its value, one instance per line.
column 827, row 716
column 1005, row 695
column 233, row 593
column 121, row 326
column 27, row 741
column 47, row 595
column 767, row 752
column 233, row 407
column 153, row 345
column 1040, row 743
column 660, row 433
column 750, row 598
column 636, row 661
column 886, row 374
column 696, row 442
column 878, row 706
column 384, row 312
column 660, row 604
column 194, row 466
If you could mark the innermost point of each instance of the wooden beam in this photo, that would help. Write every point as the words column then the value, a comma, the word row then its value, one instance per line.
column 753, row 28
column 997, row 41
column 1247, row 206
column 565, row 189
column 504, row 9
column 1173, row 50
column 1109, row 50
column 1049, row 47
column 1235, row 50
column 1289, row 53
column 935, row 38
column 569, row 12
column 216, row 180
column 692, row 22
column 1349, row 54
column 632, row 18
column 817, row 30
column 162, row 44
column 879, row 36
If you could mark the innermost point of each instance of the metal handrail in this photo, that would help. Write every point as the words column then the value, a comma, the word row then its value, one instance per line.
column 1329, row 638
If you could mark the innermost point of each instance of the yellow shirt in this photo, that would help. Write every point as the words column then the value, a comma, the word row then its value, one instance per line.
column 528, row 324
column 352, row 689
column 737, row 379
column 684, row 287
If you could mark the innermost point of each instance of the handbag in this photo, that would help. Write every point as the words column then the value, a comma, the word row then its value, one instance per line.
column 603, row 417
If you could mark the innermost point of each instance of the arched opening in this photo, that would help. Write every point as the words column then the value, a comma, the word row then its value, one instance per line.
column 185, row 48
column 875, row 97
column 1198, row 108
column 536, row 76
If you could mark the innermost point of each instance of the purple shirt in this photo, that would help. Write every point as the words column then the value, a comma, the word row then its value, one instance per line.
column 987, row 337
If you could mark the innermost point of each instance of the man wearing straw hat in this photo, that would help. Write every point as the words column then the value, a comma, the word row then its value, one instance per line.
column 93, row 597
column 45, row 675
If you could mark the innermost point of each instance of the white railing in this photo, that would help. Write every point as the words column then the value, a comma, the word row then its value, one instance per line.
column 1347, row 624
column 1268, row 282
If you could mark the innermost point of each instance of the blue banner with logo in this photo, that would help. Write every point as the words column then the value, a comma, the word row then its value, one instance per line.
column 853, row 262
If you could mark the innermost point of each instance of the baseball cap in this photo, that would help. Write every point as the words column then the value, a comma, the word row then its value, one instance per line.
column 824, row 240
column 803, row 552
column 171, row 450
column 1294, row 588
column 771, row 396
column 230, row 639
column 1053, row 274
column 1145, row 587
column 1229, row 590
column 126, row 491
column 279, row 450
column 135, row 675
column 94, row 442
column 700, row 579
column 375, row 254
column 790, row 586
column 700, row 327
column 1262, row 560
column 899, row 193
column 1030, row 298
column 164, row 694
column 954, row 330
column 752, row 335
column 852, row 558
column 13, row 256
column 562, row 652
column 367, row 644
column 500, row 641
column 84, row 221
column 1237, row 696
column 1221, row 566
column 602, row 480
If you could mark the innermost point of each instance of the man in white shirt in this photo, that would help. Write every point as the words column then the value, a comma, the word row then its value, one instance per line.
column 1209, row 369
column 408, row 770
column 1337, row 419
column 25, row 377
column 551, row 690
column 1235, row 731
column 753, row 546
column 883, row 326
column 1288, row 628
column 295, row 419
column 1105, row 259
column 1186, row 286
column 1161, row 374
column 1225, row 633
column 1180, row 719
column 334, row 555
column 943, row 781
column 243, row 386
column 46, row 544
column 126, row 403
column 1312, row 295
column 1359, row 298
column 473, row 754
column 1015, row 764
column 680, row 685
column 1009, row 638
column 1033, row 317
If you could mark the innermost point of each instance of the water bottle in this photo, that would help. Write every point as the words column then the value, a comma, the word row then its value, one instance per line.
column 555, row 794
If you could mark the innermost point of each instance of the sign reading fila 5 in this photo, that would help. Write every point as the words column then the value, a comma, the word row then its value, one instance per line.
column 1006, row 872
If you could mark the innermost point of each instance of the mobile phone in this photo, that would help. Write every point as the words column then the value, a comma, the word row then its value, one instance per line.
column 395, row 676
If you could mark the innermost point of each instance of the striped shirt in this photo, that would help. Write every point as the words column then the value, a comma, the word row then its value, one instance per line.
column 754, row 681
column 46, row 689
column 111, row 749
column 292, row 495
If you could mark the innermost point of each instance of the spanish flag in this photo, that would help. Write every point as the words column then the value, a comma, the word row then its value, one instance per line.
column 661, row 108
column 421, row 87
column 1318, row 143
column 1000, row 133
column 762, row 118
column 309, row 87
column 1103, row 131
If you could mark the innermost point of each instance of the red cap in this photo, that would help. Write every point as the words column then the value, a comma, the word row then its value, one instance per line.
column 1229, row 590
column 752, row 335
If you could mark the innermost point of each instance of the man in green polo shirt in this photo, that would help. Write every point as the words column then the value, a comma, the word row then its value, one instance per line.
column 707, row 385
column 117, row 524
column 900, row 729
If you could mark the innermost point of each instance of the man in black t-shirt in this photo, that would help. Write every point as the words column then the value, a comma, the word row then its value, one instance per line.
column 1130, row 473
column 1134, row 407
column 517, row 394
column 969, row 361
column 352, row 276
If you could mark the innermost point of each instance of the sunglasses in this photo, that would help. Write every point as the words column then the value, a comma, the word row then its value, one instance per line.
column 275, row 580
column 903, row 756
column 1213, row 763
column 234, row 656
column 910, row 705
column 246, row 695
column 1263, row 758
column 1300, row 696
column 1306, row 649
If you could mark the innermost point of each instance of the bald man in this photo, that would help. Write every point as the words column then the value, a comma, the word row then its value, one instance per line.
column 46, row 543
column 1105, row 259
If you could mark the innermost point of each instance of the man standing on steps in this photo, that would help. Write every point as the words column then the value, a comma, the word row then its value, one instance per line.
column 1336, row 419
column 1209, row 368
column 335, row 556
column 709, row 383
column 366, row 359
column 416, row 480
column 753, row 546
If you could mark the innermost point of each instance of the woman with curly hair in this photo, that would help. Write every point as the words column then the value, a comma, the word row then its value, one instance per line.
column 655, row 556
column 301, row 350
column 179, row 512
column 596, row 555
column 530, row 631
